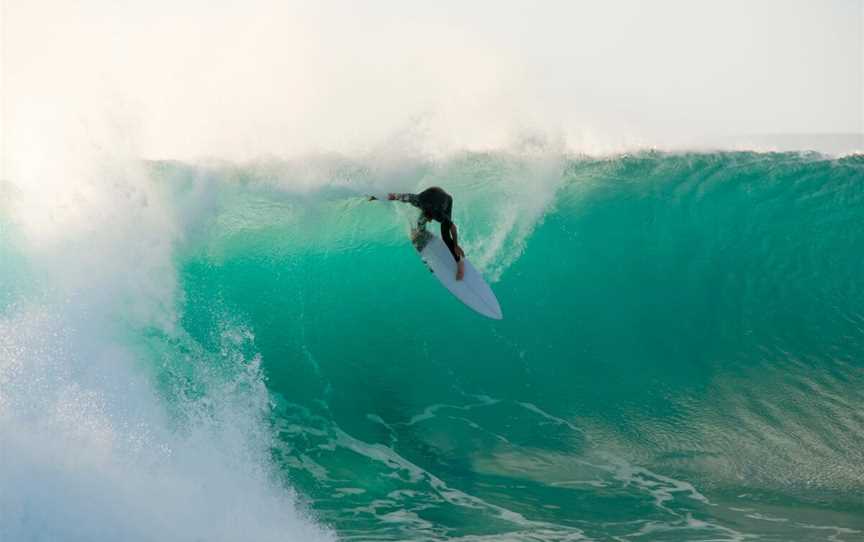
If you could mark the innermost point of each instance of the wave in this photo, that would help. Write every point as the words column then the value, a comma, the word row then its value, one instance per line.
column 681, row 358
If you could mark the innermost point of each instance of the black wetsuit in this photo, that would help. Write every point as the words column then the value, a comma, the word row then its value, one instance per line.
column 434, row 204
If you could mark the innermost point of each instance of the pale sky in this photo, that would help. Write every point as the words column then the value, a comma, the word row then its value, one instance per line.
column 240, row 79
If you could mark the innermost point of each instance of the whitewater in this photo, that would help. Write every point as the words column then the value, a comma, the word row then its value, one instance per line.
column 210, row 350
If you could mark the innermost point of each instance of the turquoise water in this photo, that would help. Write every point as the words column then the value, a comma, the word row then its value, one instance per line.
column 681, row 355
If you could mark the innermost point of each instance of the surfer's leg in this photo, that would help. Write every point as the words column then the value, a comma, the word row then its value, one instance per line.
column 419, row 234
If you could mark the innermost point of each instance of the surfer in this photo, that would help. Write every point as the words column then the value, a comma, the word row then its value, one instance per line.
column 436, row 204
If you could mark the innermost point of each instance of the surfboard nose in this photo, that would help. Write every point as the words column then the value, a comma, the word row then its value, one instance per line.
column 471, row 290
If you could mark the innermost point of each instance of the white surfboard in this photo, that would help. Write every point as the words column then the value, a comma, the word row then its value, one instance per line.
column 471, row 290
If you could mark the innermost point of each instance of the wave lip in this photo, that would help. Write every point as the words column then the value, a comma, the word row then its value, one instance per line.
column 839, row 144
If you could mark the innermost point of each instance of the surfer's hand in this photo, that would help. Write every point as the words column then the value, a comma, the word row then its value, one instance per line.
column 460, row 269
column 460, row 252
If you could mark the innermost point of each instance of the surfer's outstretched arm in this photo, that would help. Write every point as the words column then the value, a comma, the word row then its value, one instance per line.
column 413, row 199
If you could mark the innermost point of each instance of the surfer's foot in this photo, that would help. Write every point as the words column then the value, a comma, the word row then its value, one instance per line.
column 460, row 269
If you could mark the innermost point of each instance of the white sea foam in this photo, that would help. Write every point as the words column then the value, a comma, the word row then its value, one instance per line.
column 92, row 449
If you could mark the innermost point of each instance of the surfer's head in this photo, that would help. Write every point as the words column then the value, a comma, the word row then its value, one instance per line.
column 436, row 204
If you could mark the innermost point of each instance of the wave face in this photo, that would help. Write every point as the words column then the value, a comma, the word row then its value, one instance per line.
column 682, row 355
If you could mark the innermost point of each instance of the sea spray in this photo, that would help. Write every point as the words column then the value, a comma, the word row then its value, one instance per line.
column 114, row 424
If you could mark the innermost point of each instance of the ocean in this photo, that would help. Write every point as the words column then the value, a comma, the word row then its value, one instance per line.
column 224, row 351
